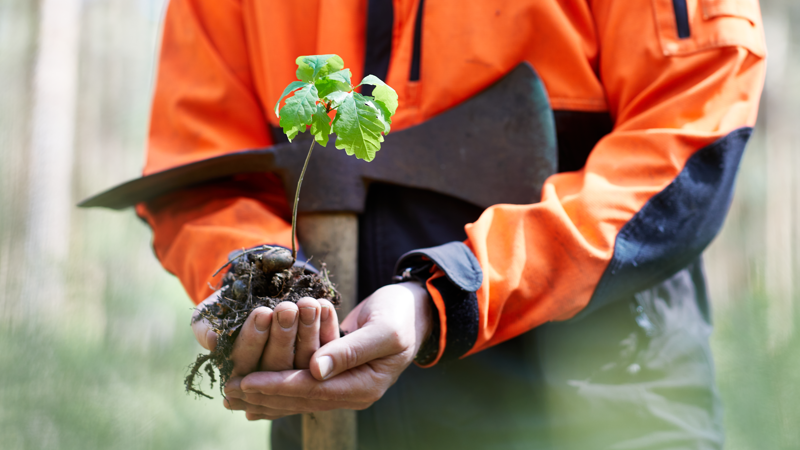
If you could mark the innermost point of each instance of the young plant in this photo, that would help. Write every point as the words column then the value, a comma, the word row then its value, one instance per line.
column 323, row 87
column 266, row 276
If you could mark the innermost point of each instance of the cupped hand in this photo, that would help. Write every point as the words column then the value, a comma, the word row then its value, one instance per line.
column 282, row 339
column 385, row 333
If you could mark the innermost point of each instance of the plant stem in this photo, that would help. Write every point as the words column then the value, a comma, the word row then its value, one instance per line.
column 297, row 200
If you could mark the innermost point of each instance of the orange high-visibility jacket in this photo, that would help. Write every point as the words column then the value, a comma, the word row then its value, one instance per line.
column 677, row 77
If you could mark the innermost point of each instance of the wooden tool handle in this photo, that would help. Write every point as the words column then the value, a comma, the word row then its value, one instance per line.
column 332, row 238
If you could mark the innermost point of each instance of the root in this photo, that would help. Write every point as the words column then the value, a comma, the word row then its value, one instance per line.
column 194, row 371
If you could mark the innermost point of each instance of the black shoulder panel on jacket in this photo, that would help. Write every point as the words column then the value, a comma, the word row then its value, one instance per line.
column 676, row 225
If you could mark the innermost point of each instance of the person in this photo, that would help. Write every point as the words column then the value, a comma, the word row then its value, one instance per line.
column 577, row 321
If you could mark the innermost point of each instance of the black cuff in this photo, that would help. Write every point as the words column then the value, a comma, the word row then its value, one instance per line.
column 463, row 277
column 454, row 258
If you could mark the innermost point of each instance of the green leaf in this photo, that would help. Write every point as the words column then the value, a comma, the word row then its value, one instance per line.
column 341, row 75
column 321, row 125
column 313, row 67
column 337, row 81
column 292, row 86
column 326, row 86
column 358, row 126
column 385, row 115
column 296, row 113
column 382, row 92
column 337, row 98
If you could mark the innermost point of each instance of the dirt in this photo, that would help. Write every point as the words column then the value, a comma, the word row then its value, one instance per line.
column 252, row 280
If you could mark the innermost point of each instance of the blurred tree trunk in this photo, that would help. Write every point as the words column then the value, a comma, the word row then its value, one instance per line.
column 757, row 250
column 780, row 119
column 19, row 26
column 50, row 166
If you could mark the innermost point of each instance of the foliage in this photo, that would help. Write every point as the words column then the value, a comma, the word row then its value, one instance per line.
column 324, row 86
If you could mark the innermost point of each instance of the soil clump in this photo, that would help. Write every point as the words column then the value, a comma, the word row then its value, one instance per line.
column 262, row 277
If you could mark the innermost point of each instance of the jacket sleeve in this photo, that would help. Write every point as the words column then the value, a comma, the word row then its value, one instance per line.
column 652, row 195
column 205, row 104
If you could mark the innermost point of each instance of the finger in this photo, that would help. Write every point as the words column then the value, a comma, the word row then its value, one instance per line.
column 249, row 345
column 202, row 328
column 234, row 404
column 359, row 347
column 253, row 417
column 261, row 404
column 236, row 400
column 328, row 322
column 307, row 332
column 359, row 385
column 233, row 388
column 279, row 352
column 241, row 405
column 279, row 404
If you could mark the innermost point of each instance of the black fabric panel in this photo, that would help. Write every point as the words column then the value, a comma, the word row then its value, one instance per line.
column 417, row 48
column 380, row 22
column 454, row 258
column 577, row 133
column 461, row 312
column 463, row 277
column 681, row 18
column 279, row 137
column 676, row 225
column 397, row 220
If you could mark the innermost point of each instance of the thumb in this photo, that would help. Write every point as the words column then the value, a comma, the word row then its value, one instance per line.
column 366, row 344
column 201, row 327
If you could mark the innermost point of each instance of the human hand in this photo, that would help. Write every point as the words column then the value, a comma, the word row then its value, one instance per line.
column 284, row 343
column 386, row 331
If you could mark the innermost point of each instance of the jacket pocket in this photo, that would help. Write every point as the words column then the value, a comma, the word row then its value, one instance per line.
column 744, row 9
column 689, row 26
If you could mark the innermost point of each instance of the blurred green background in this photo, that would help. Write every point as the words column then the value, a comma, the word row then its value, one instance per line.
column 94, row 336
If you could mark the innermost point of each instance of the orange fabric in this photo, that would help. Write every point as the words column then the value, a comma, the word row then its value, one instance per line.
column 194, row 230
column 225, row 62
column 541, row 262
column 204, row 103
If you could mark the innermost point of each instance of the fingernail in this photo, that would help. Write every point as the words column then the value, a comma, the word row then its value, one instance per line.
column 262, row 322
column 287, row 317
column 307, row 315
column 326, row 312
column 325, row 364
